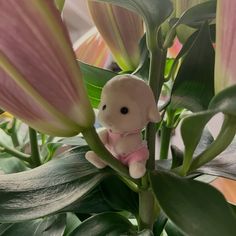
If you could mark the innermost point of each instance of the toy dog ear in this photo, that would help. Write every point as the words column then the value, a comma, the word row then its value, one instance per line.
column 153, row 114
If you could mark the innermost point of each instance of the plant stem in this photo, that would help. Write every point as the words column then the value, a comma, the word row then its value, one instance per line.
column 22, row 156
column 14, row 136
column 222, row 141
column 165, row 140
column 35, row 156
column 156, row 79
column 98, row 147
column 148, row 207
column 43, row 138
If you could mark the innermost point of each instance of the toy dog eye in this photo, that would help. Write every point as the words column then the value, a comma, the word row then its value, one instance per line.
column 124, row 110
column 104, row 107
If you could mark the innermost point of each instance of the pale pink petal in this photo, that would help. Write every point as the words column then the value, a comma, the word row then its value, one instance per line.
column 22, row 105
column 122, row 31
column 92, row 49
column 35, row 42
column 225, row 69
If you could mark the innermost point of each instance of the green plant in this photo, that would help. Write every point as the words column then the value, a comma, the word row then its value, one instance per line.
column 43, row 85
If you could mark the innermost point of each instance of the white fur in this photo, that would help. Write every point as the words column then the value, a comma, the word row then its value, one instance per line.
column 133, row 93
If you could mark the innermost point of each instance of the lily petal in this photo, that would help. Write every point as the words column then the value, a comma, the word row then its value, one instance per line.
column 92, row 49
column 122, row 31
column 38, row 69
column 225, row 69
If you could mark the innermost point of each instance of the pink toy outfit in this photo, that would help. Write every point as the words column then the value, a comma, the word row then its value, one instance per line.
column 141, row 153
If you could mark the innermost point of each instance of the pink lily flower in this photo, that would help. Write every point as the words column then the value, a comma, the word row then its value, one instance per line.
column 225, row 69
column 40, row 81
column 92, row 49
column 121, row 29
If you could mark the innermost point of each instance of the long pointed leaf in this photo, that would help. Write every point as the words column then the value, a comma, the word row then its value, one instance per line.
column 195, row 207
column 47, row 189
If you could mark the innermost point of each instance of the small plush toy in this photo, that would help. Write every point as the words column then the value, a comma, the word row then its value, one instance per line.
column 127, row 105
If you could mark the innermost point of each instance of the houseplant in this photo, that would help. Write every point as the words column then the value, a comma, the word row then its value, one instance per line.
column 43, row 85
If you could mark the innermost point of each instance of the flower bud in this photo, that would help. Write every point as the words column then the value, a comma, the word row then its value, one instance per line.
column 40, row 80
column 121, row 29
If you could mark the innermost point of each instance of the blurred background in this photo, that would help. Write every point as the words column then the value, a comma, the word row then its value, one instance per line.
column 77, row 18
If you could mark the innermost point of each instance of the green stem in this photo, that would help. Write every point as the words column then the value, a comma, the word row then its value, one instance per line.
column 22, row 156
column 148, row 206
column 43, row 138
column 165, row 141
column 156, row 79
column 35, row 156
column 130, row 184
column 14, row 136
column 222, row 141
column 98, row 147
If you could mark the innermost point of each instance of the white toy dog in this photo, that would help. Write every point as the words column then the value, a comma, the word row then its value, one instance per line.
column 127, row 105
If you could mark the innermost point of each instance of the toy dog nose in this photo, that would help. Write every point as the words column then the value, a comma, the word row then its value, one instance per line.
column 108, row 119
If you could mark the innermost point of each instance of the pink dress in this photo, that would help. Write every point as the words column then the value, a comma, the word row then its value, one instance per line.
column 141, row 153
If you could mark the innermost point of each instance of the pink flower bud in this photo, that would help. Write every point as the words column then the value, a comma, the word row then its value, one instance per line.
column 40, row 80
column 121, row 29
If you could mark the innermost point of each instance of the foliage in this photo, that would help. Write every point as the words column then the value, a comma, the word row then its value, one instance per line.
column 47, row 187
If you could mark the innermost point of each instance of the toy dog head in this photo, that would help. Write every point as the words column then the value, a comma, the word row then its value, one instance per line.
column 127, row 104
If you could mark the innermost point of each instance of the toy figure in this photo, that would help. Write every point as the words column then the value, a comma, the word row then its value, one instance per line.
column 127, row 105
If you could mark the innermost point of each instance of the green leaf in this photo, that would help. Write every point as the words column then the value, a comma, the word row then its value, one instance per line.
column 10, row 164
column 5, row 139
column 120, row 197
column 53, row 226
column 51, row 188
column 103, row 198
column 193, row 125
column 159, row 225
column 48, row 150
column 112, row 224
column 225, row 101
column 223, row 165
column 172, row 230
column 145, row 232
column 95, row 78
column 72, row 222
column 233, row 208
column 198, row 14
column 93, row 201
column 142, row 70
column 4, row 228
column 90, row 203
column 153, row 12
column 191, row 132
column 194, row 17
column 177, row 157
column 163, row 164
column 73, row 141
column 196, row 208
column 205, row 141
column 194, row 85
column 185, row 48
